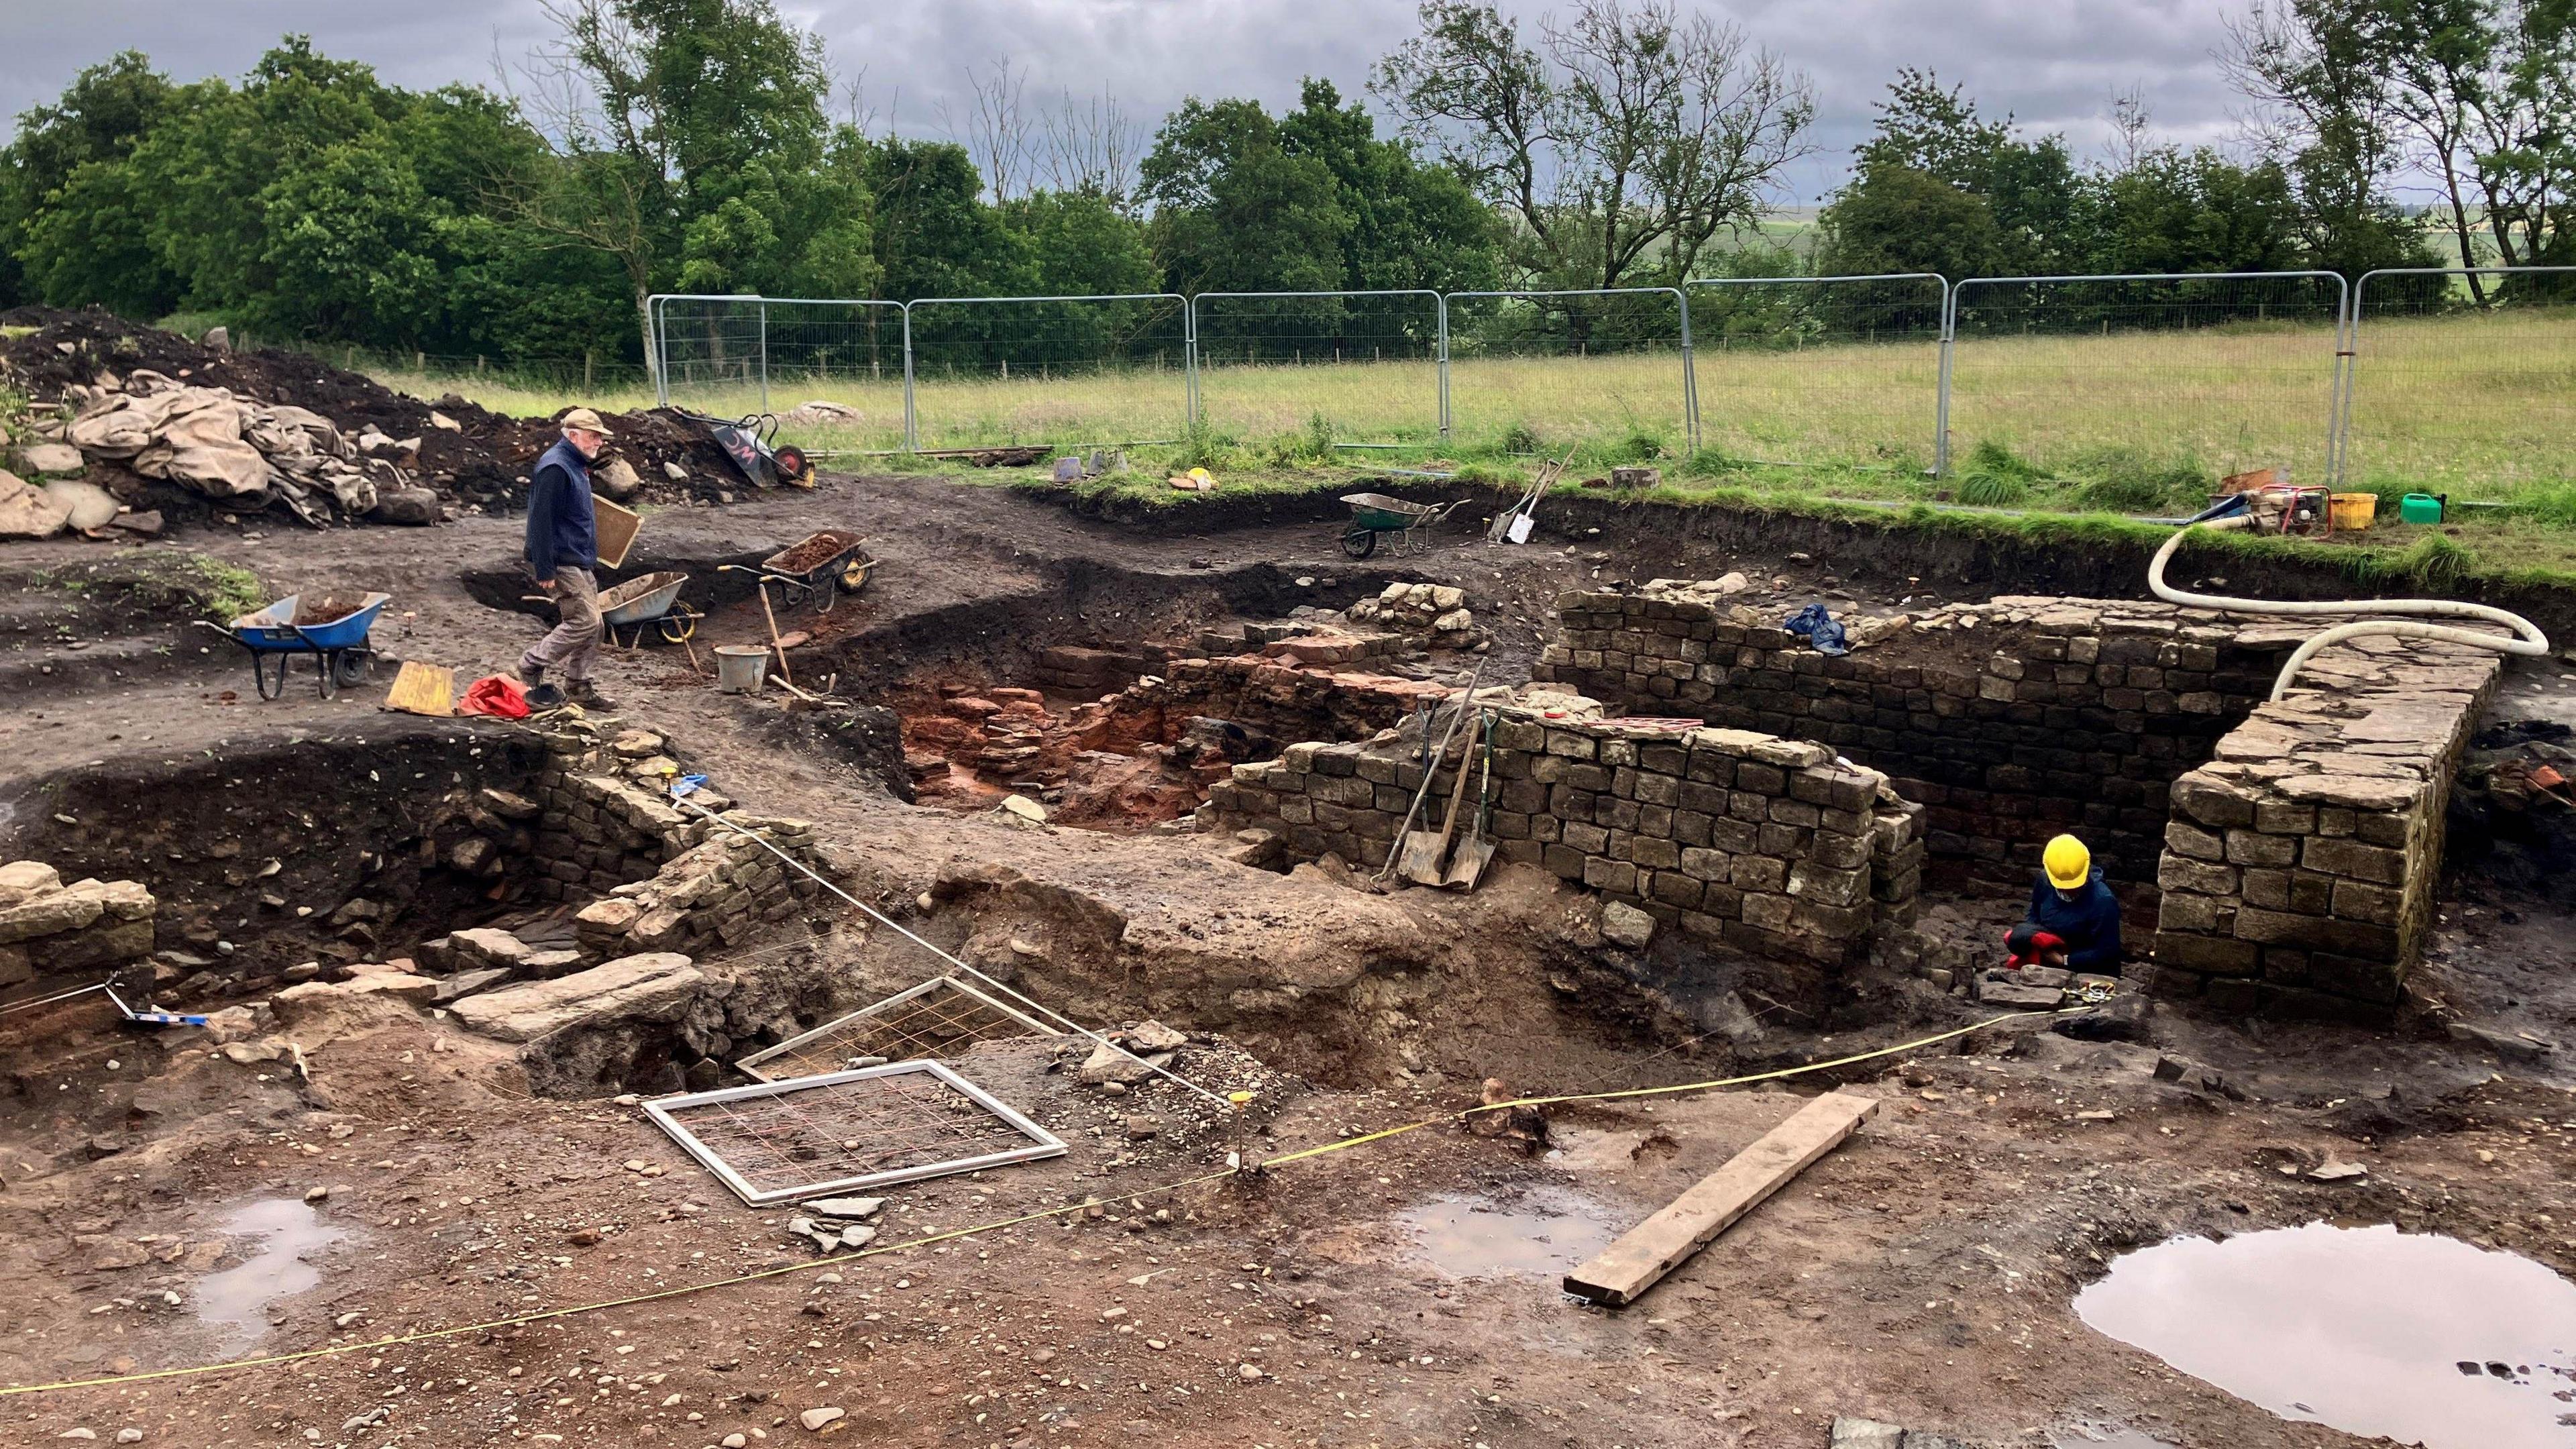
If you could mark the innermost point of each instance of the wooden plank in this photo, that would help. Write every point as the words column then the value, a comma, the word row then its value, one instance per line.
column 1622, row 1272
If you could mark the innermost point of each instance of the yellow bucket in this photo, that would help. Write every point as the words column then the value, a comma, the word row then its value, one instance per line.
column 2353, row 511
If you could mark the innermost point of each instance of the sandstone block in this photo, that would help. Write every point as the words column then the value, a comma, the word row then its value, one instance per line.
column 656, row 986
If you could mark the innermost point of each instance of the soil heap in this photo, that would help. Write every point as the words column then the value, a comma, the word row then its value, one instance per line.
column 93, row 361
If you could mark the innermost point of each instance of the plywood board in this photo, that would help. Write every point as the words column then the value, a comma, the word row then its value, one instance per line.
column 1621, row 1273
column 423, row 689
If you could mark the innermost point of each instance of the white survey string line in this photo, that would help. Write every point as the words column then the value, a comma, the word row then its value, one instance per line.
column 888, row 922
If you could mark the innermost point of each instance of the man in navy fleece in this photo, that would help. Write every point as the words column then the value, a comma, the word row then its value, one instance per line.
column 563, row 556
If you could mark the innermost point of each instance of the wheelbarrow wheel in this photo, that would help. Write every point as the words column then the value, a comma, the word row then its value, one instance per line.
column 677, row 628
column 854, row 575
column 350, row 668
column 269, row 688
column 1360, row 542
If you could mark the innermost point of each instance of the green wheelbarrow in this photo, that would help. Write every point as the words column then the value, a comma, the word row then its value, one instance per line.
column 1373, row 514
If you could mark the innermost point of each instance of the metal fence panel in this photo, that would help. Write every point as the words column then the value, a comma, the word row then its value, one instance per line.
column 1820, row 369
column 1544, row 368
column 731, row 356
column 2460, row 377
column 1062, row 371
column 1369, row 363
column 2204, row 372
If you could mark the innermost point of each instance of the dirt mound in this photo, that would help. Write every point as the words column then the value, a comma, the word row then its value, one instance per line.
column 471, row 456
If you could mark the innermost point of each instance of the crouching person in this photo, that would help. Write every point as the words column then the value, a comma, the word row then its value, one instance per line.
column 2074, row 920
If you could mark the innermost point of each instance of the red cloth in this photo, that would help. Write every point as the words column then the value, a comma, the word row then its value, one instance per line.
column 495, row 696
column 2030, row 947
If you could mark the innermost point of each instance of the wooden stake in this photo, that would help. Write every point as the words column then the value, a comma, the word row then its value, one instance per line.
column 783, row 672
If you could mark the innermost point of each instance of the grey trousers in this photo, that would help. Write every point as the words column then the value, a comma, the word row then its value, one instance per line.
column 573, row 643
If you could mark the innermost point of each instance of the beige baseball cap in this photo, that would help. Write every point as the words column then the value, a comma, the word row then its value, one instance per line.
column 586, row 420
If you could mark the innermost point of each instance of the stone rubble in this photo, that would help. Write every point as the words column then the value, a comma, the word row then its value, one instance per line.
column 47, row 927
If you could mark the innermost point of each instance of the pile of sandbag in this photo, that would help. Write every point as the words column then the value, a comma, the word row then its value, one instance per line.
column 246, row 455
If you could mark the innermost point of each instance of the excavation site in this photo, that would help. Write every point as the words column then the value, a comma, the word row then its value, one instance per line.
column 985, row 968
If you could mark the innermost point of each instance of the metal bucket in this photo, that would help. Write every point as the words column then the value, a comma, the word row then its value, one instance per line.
column 740, row 668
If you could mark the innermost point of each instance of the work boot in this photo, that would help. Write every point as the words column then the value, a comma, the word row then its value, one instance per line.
column 582, row 692
column 545, row 696
column 529, row 675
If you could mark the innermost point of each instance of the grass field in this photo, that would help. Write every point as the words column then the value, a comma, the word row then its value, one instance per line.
column 2479, row 407
column 2483, row 405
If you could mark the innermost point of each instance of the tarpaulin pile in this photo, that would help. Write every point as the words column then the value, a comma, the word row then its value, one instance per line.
column 247, row 455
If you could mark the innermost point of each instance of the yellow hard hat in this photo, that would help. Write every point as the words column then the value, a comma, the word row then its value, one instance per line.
column 2067, row 862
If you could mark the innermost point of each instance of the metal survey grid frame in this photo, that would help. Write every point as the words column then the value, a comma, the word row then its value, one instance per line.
column 781, row 1118
column 908, row 1027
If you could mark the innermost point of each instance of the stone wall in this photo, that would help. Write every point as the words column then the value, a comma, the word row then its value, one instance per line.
column 2009, row 721
column 600, row 832
column 1766, row 844
column 1288, row 702
column 2300, row 864
column 723, row 889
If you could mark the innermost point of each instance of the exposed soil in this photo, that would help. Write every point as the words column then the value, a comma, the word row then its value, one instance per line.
column 1919, row 1274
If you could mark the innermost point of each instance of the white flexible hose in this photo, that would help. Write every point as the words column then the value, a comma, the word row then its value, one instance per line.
column 2527, row 639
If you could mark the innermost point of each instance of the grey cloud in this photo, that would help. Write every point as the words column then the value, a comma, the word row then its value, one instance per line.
column 2055, row 64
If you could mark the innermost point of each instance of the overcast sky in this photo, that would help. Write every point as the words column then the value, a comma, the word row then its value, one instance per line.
column 2055, row 64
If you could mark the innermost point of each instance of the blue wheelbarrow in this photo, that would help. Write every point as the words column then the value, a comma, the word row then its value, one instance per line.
column 331, row 628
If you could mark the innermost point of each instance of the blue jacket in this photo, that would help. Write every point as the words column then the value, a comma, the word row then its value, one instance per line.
column 2088, row 922
column 561, row 529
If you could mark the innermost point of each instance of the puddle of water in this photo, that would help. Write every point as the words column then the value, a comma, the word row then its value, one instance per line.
column 2424, row 1340
column 289, row 1233
column 1543, row 1232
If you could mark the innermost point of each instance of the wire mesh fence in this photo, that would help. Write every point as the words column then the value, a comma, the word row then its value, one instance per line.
column 1356, row 368
column 1060, row 371
column 731, row 356
column 1837, row 370
column 2173, row 375
column 2461, row 378
column 1534, row 371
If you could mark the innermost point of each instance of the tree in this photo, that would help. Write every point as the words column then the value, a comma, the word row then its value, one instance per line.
column 1079, row 244
column 2473, row 93
column 100, row 117
column 1897, row 218
column 677, row 119
column 1412, row 225
column 205, row 180
column 2192, row 211
column 2013, row 203
column 1619, row 153
column 1235, row 210
column 934, row 236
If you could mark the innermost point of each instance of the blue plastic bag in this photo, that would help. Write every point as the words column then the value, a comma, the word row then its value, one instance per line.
column 1818, row 628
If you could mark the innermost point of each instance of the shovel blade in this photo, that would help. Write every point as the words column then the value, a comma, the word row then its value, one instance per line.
column 1420, row 862
column 1468, row 866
